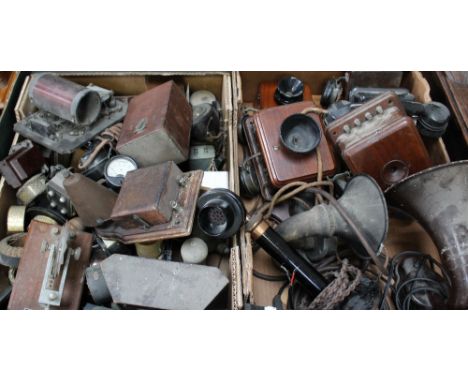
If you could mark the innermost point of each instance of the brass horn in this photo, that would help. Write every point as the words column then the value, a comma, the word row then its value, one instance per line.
column 438, row 199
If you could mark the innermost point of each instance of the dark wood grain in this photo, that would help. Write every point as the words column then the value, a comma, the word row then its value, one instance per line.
column 386, row 145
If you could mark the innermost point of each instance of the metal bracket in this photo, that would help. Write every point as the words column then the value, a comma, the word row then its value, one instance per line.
column 57, row 265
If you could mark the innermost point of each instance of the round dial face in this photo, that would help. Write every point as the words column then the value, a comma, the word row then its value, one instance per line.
column 117, row 168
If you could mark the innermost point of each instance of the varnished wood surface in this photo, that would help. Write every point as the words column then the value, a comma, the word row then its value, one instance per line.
column 283, row 165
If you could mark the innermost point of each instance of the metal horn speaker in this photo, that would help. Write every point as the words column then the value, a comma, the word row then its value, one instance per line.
column 362, row 200
column 438, row 199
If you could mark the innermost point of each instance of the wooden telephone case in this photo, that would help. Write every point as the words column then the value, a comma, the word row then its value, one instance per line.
column 283, row 165
column 380, row 140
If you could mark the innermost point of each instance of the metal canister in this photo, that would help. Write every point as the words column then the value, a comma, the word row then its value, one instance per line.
column 64, row 98
column 15, row 219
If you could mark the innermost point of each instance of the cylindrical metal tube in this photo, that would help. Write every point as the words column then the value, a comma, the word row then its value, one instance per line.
column 15, row 219
column 64, row 98
column 287, row 257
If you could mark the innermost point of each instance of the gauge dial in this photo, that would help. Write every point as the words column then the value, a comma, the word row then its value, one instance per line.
column 117, row 168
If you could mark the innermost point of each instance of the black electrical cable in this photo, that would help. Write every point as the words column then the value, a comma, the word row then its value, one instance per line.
column 386, row 287
column 418, row 270
column 391, row 272
column 407, row 301
column 277, row 299
column 413, row 291
column 271, row 278
column 432, row 285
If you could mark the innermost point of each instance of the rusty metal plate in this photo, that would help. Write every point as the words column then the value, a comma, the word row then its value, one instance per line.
column 136, row 230
column 32, row 266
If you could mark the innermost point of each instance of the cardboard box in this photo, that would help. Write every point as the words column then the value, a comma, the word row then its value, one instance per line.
column 235, row 90
column 400, row 237
column 133, row 83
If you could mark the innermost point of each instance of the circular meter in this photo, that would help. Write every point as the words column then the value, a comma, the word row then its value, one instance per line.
column 117, row 168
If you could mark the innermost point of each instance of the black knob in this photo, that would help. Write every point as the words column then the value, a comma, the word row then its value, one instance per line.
column 289, row 90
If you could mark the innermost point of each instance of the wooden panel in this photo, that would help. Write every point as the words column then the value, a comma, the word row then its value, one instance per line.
column 388, row 137
column 283, row 165
column 251, row 81
column 31, row 270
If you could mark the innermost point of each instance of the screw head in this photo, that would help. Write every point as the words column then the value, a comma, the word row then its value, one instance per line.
column 182, row 181
column 77, row 253
column 52, row 296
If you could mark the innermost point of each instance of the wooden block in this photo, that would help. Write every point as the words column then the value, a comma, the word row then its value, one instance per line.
column 283, row 165
column 31, row 270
